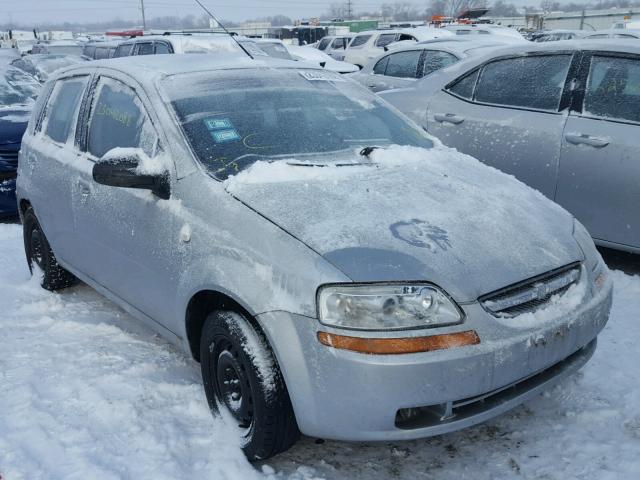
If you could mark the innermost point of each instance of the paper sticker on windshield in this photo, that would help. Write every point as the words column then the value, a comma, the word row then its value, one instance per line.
column 319, row 75
column 224, row 136
column 218, row 123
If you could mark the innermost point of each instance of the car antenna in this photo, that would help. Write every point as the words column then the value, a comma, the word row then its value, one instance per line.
column 224, row 28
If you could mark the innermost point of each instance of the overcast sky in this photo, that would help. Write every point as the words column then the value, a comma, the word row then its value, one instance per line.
column 24, row 11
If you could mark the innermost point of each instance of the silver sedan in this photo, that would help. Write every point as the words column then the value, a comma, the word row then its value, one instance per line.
column 563, row 117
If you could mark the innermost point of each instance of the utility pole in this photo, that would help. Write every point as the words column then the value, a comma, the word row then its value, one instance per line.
column 349, row 9
column 144, row 19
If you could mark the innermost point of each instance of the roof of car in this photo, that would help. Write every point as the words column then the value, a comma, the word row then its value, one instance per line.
column 454, row 45
column 148, row 68
column 608, row 45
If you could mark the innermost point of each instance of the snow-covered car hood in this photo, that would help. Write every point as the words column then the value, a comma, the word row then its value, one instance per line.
column 415, row 214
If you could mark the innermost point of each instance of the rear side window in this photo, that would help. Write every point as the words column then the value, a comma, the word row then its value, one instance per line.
column 61, row 111
column 162, row 47
column 385, row 39
column 89, row 50
column 529, row 82
column 464, row 87
column 144, row 49
column 123, row 50
column 613, row 89
column 435, row 60
column 403, row 64
column 118, row 120
column 101, row 53
column 381, row 66
column 359, row 40
column 339, row 43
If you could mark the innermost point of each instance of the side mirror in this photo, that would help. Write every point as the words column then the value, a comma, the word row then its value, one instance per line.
column 124, row 172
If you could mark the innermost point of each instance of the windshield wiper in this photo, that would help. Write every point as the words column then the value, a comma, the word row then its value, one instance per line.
column 366, row 151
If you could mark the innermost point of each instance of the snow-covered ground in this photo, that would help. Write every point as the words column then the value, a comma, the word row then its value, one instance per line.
column 85, row 392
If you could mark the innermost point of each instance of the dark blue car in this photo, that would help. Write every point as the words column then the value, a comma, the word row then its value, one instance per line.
column 18, row 91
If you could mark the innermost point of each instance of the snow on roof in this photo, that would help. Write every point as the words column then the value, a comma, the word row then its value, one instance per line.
column 152, row 67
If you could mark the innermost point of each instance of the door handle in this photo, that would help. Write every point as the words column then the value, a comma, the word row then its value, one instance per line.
column 584, row 139
column 448, row 118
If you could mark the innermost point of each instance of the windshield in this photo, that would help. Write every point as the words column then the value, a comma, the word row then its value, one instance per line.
column 17, row 87
column 235, row 118
column 275, row 50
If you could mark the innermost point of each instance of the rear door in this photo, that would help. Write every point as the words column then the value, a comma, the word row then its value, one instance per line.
column 509, row 113
column 51, row 158
column 599, row 179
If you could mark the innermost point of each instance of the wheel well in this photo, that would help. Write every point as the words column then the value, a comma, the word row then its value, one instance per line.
column 200, row 306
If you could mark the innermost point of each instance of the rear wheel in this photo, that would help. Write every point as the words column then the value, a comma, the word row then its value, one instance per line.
column 40, row 257
column 243, row 383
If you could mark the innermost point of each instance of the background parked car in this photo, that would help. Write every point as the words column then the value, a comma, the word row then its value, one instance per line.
column 627, row 33
column 178, row 43
column 486, row 29
column 100, row 50
column 401, row 67
column 313, row 55
column 563, row 117
column 18, row 91
column 335, row 45
column 7, row 55
column 556, row 35
column 60, row 47
column 42, row 65
column 366, row 46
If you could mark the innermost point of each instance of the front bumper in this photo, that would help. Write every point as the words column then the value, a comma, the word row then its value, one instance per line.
column 343, row 395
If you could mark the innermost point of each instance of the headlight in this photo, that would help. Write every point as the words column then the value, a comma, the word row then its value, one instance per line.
column 596, row 267
column 386, row 307
column 582, row 236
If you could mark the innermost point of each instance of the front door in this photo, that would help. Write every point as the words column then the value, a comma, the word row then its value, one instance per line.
column 127, row 238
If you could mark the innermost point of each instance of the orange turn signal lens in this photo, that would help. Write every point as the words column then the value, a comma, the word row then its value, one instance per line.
column 390, row 346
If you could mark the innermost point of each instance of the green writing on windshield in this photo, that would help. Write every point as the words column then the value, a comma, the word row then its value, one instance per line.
column 119, row 116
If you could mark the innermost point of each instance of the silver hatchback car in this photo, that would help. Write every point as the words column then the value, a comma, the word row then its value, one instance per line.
column 334, row 272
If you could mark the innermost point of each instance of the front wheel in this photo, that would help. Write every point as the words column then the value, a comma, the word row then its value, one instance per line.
column 40, row 257
column 244, row 384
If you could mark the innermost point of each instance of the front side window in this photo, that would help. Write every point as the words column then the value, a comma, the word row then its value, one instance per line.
column 529, row 82
column 162, row 48
column 118, row 120
column 61, row 111
column 324, row 43
column 232, row 119
column 359, row 41
column 123, row 50
column 435, row 60
column 385, row 39
column 613, row 89
column 338, row 43
column 144, row 49
column 101, row 53
column 403, row 64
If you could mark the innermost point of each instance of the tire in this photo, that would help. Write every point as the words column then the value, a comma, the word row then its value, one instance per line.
column 40, row 256
column 245, row 386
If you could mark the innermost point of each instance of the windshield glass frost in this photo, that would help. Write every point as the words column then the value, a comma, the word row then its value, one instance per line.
column 235, row 118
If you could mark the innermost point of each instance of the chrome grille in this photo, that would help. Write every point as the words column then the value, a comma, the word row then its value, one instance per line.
column 532, row 294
